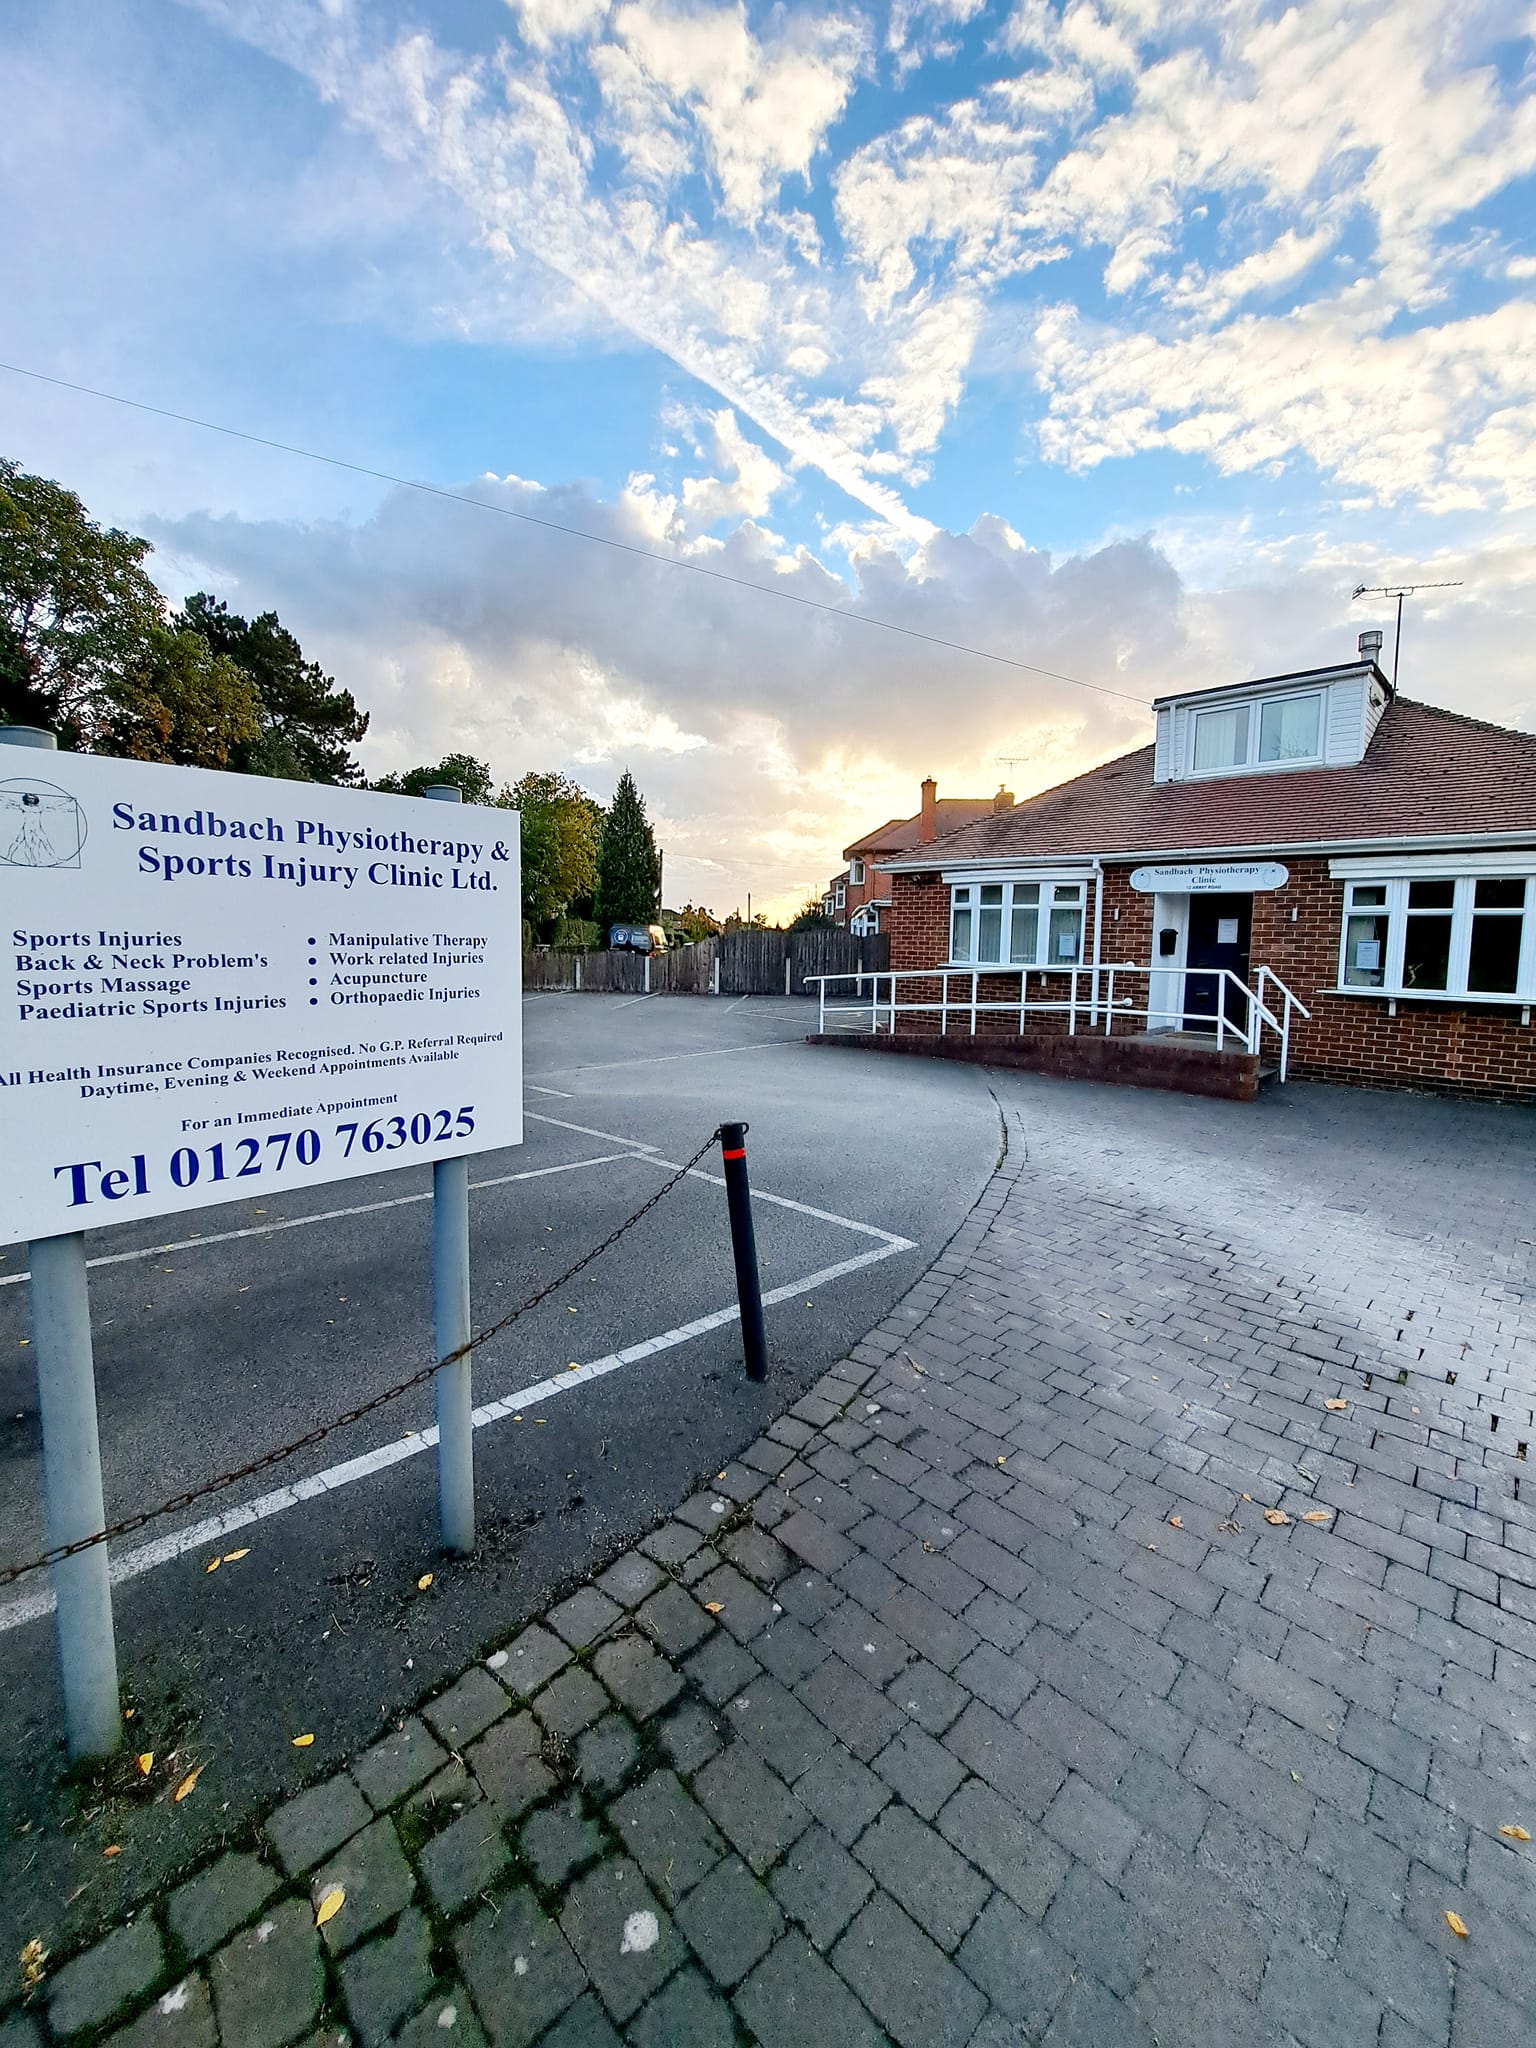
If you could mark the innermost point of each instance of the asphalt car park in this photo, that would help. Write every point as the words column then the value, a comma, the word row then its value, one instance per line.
column 224, row 1333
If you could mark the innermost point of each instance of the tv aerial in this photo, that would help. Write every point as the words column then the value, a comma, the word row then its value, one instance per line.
column 1399, row 591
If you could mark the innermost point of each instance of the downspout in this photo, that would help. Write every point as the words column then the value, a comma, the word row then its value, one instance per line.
column 1098, row 932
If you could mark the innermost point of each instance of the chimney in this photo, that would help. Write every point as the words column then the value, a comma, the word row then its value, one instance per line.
column 1370, row 646
column 1003, row 801
column 928, row 827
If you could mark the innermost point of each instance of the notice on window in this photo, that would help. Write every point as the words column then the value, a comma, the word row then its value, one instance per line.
column 222, row 985
column 1066, row 945
column 1226, row 931
column 1368, row 954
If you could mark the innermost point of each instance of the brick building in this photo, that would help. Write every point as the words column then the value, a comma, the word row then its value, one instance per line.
column 859, row 898
column 1304, row 871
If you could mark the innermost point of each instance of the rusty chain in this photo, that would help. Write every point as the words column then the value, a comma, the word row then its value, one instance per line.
column 9, row 1574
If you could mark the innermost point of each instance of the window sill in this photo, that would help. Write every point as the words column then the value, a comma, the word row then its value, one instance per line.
column 1413, row 995
column 1003, row 967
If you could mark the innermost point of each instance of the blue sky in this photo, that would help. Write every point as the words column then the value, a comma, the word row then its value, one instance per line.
column 1123, row 338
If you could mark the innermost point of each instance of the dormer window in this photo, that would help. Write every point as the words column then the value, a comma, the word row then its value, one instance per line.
column 1275, row 732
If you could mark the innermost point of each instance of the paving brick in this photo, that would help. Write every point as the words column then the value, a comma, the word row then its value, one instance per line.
column 446, row 2017
column 630, row 1579
column 583, row 2025
column 1090, row 2015
column 460, row 1863
column 587, row 1615
column 625, row 1940
column 690, row 1737
column 571, row 1702
column 1010, row 1850
column 181, row 2017
column 372, row 1872
column 721, row 1668
column 685, row 2010
column 668, row 1834
column 636, row 1676
column 558, row 1840
column 1003, row 1682
column 1404, row 1971
column 674, row 1620
column 744, row 1609
column 937, row 1887
column 819, row 1884
column 467, row 1708
column 913, row 1990
column 406, row 1758
column 934, row 1701
column 793, row 2000
column 730, row 1921
column 863, row 1719
column 519, row 1969
column 1252, row 1788
column 755, row 1810
column 842, row 1794
column 385, row 1980
column 921, row 1770
column 1095, row 1829
column 507, row 1766
column 96, row 1985
column 814, row 1541
column 1285, row 1691
column 318, row 1821
column 207, row 1909
column 1010, row 1762
column 1091, row 1919
column 1015, row 1962
column 784, row 1735
column 789, row 1650
column 267, row 1983
column 529, row 1661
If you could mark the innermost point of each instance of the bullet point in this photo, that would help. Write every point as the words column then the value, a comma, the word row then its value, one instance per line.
column 313, row 1000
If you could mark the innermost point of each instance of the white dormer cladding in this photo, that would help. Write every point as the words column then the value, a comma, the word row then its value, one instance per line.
column 1319, row 718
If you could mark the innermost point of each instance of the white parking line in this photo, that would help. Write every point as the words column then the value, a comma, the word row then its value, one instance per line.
column 132, row 1564
column 663, row 1059
column 192, row 1244
column 630, row 1001
column 534, row 1089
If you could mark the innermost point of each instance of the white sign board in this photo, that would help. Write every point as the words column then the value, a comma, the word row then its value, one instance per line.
column 1217, row 878
column 222, row 985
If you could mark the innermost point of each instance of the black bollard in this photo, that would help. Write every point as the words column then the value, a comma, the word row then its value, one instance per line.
column 749, row 1286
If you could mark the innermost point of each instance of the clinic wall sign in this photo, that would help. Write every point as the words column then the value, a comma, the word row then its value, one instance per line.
column 1211, row 878
column 218, row 985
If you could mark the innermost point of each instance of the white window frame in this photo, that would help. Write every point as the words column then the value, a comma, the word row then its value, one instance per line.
column 841, row 895
column 1250, row 764
column 1463, row 909
column 856, row 874
column 1056, row 892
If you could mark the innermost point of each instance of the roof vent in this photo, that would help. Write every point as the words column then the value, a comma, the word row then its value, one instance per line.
column 1370, row 645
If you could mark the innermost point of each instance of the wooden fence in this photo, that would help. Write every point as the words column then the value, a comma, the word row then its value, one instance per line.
column 748, row 963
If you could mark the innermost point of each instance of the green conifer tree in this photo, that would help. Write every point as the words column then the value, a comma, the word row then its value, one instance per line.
column 628, row 865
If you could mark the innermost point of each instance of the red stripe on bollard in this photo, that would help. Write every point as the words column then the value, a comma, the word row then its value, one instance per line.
column 735, row 1155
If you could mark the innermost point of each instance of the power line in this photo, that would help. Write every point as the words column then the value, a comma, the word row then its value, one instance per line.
column 578, row 533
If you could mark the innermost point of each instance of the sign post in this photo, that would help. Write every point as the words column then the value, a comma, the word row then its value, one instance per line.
column 73, row 1506
column 452, row 1388
column 223, row 986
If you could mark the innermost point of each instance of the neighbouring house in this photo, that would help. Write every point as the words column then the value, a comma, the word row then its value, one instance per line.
column 1304, row 871
column 859, row 897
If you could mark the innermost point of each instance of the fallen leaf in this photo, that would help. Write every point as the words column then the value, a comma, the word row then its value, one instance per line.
column 330, row 1905
column 129, row 1712
column 1318, row 1515
column 213, row 1564
column 1277, row 1516
column 113, row 1849
column 234, row 1556
column 34, row 1960
column 1456, row 1924
column 423, row 1582
column 573, row 1366
column 1002, row 1461
column 146, row 1763
column 1247, row 1496
column 186, row 1785
column 1175, row 1521
column 927, row 1546
column 1336, row 1404
column 303, row 1741
column 714, row 1606
column 1513, row 1832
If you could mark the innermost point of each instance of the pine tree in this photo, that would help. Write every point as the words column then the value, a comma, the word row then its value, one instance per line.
column 628, row 866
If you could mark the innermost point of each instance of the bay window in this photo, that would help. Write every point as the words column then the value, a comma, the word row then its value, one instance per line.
column 1016, row 924
column 1441, row 935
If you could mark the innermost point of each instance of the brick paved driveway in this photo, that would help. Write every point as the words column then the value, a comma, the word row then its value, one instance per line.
column 983, row 1702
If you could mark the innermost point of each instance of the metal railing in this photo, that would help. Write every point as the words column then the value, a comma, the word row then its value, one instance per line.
column 1221, row 1002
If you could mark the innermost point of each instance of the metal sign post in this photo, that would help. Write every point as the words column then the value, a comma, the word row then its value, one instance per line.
column 73, row 1507
column 452, row 1392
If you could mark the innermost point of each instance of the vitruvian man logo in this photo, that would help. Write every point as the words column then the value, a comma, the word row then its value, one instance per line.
column 41, row 826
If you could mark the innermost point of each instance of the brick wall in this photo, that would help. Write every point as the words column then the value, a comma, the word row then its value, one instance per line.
column 1450, row 1048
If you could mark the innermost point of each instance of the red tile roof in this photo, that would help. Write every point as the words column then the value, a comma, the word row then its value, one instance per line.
column 1427, row 773
column 896, row 835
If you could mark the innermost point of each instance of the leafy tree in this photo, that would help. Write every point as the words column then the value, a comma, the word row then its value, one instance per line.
column 810, row 916
column 628, row 866
column 180, row 702
column 472, row 777
column 694, row 923
column 757, row 922
column 76, row 608
column 562, row 829
column 308, row 723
